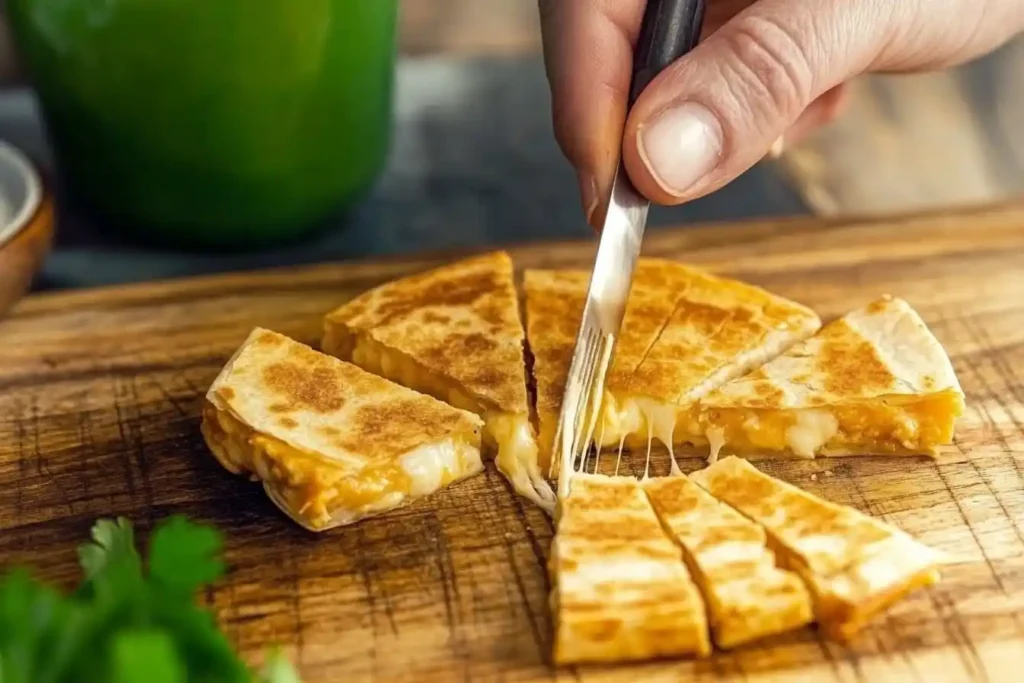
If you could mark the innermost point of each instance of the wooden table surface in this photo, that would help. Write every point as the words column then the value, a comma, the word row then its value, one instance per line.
column 100, row 395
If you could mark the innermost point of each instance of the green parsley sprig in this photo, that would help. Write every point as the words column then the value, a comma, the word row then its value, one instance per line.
column 128, row 621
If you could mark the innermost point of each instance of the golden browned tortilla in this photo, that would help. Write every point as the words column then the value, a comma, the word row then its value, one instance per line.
column 748, row 596
column 875, row 381
column 620, row 589
column 854, row 566
column 454, row 333
column 330, row 442
column 685, row 332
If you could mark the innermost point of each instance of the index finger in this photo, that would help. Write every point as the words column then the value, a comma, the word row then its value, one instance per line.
column 588, row 53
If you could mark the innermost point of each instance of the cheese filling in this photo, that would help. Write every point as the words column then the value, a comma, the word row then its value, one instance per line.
column 517, row 456
column 510, row 434
column 885, row 428
column 319, row 494
column 633, row 423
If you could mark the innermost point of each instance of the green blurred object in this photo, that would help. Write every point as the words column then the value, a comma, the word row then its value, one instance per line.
column 213, row 123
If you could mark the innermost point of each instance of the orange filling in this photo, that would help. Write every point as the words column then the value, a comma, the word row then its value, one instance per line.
column 886, row 428
column 313, row 490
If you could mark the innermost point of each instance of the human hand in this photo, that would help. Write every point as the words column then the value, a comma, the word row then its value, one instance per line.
column 765, row 70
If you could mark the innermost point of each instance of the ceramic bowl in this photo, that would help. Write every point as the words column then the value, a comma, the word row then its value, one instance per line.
column 26, row 224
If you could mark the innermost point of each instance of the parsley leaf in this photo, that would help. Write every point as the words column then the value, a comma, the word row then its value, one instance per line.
column 145, row 656
column 113, row 543
column 277, row 669
column 184, row 556
column 36, row 630
column 125, row 624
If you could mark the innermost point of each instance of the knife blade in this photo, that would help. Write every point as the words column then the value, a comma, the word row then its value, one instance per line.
column 670, row 29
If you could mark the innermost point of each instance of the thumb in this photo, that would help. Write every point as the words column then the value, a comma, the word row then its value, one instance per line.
column 716, row 112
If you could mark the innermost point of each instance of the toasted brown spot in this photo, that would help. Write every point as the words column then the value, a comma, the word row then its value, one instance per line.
column 475, row 343
column 226, row 393
column 288, row 423
column 601, row 630
column 766, row 395
column 877, row 306
column 743, row 488
column 269, row 339
column 464, row 290
column 614, row 531
column 383, row 426
column 674, row 501
column 749, row 533
column 328, row 430
column 435, row 318
column 279, row 407
column 850, row 364
column 310, row 387
column 804, row 515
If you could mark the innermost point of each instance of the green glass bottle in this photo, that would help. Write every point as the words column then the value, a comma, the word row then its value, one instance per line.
column 213, row 123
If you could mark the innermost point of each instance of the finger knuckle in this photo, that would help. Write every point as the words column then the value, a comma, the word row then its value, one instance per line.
column 771, row 64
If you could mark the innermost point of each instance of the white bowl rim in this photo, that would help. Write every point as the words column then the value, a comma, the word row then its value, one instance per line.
column 16, row 159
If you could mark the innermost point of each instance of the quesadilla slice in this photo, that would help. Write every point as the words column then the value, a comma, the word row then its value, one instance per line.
column 685, row 332
column 854, row 566
column 748, row 596
column 873, row 382
column 331, row 443
column 620, row 589
column 453, row 333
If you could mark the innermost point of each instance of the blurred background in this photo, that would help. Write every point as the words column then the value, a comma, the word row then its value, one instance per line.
column 191, row 137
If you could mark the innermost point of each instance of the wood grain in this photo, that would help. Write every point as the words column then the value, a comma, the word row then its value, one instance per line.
column 909, row 143
column 100, row 393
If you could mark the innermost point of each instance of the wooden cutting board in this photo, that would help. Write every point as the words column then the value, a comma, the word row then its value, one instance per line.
column 100, row 396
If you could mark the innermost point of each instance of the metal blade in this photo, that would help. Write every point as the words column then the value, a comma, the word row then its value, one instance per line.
column 617, row 253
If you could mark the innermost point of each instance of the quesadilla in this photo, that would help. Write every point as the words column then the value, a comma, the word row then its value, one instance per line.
column 620, row 589
column 331, row 443
column 873, row 382
column 453, row 333
column 855, row 566
column 685, row 332
column 748, row 596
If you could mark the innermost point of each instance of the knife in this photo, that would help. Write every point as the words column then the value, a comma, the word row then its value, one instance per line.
column 670, row 29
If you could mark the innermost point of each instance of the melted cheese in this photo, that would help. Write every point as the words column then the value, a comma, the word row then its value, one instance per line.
column 642, row 420
column 317, row 493
column 430, row 468
column 716, row 440
column 517, row 457
column 879, row 427
column 811, row 430
column 509, row 434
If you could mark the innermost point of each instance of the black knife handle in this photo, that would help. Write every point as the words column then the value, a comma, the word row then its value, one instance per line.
column 670, row 29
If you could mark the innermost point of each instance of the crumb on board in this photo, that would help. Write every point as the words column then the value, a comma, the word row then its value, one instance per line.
column 828, row 473
column 814, row 477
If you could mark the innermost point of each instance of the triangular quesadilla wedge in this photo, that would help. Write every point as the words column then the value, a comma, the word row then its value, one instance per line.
column 453, row 333
column 748, row 596
column 332, row 443
column 685, row 332
column 854, row 566
column 620, row 589
column 873, row 382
